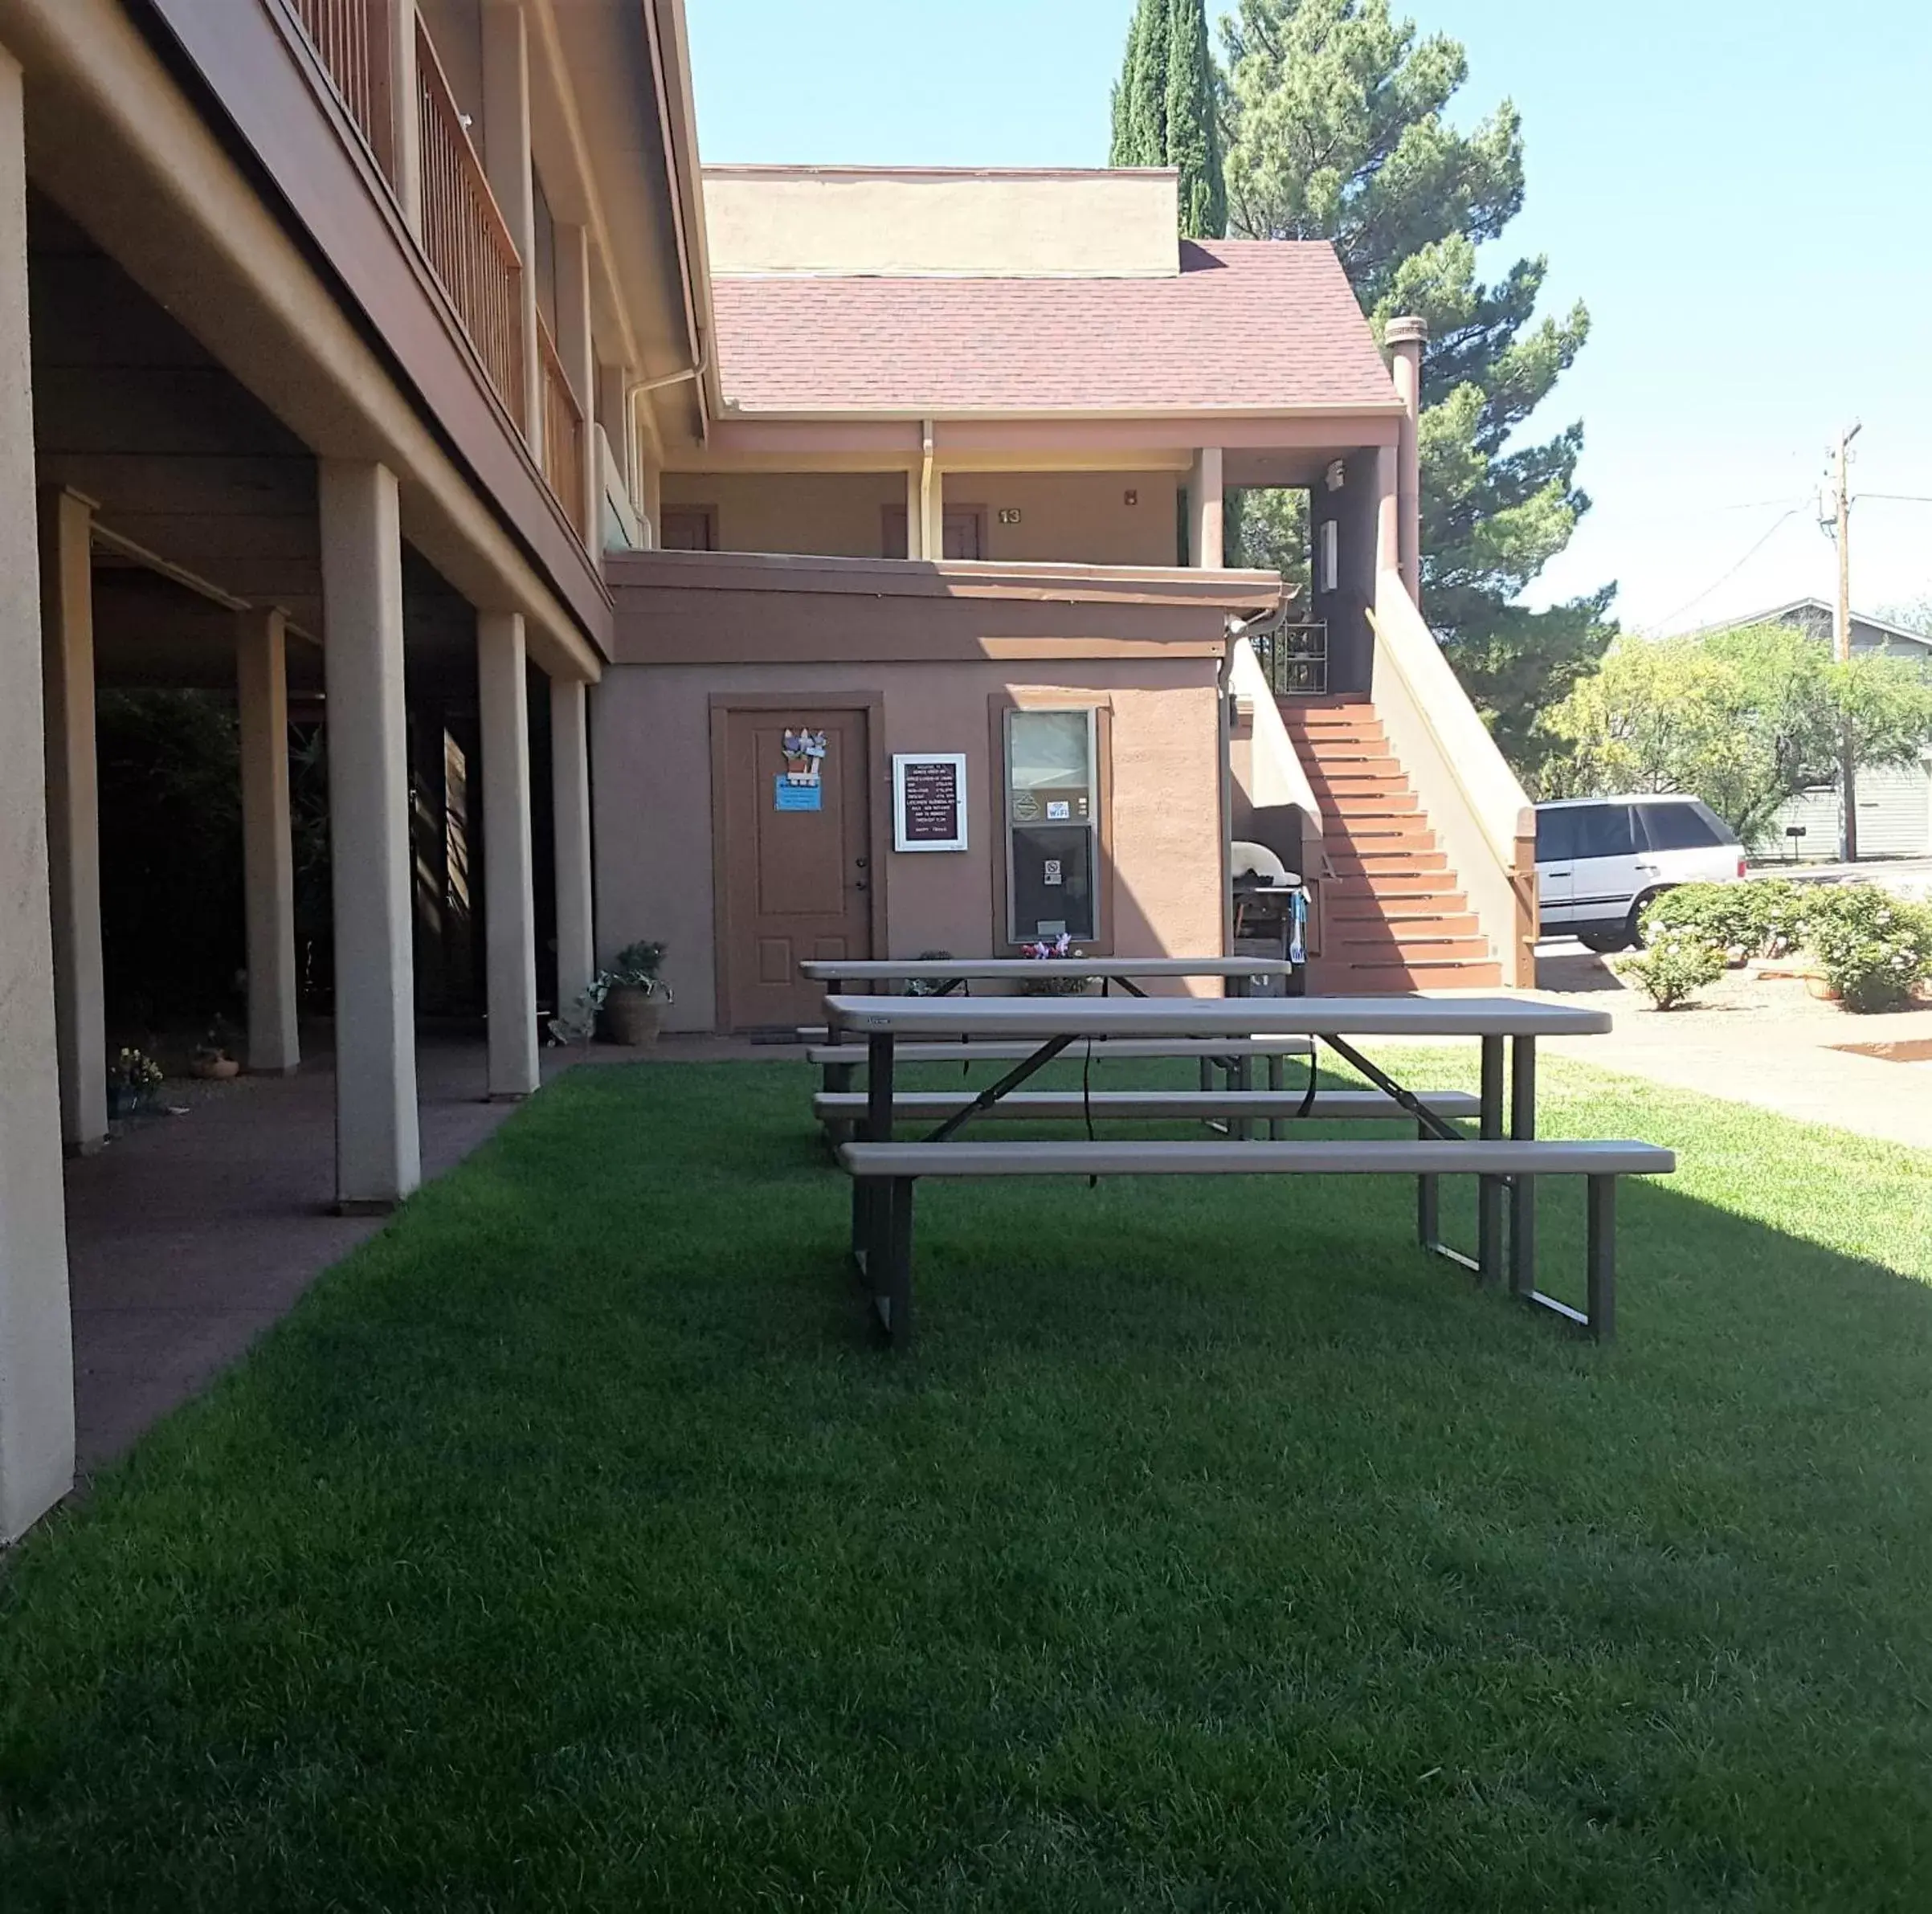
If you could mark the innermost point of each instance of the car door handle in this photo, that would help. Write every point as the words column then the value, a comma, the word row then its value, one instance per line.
column 1642, row 866
column 1559, row 874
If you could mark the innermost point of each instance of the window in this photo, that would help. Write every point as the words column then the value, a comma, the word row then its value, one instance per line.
column 1052, row 824
column 1605, row 831
column 1555, row 836
column 689, row 529
column 1685, row 826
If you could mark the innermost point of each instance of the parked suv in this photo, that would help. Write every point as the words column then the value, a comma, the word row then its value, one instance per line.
column 1600, row 860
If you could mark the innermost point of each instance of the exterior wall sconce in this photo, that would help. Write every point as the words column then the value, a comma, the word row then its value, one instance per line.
column 1337, row 475
column 1132, row 496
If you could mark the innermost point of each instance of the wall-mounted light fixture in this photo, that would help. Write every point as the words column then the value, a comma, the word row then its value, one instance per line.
column 1336, row 475
column 1132, row 496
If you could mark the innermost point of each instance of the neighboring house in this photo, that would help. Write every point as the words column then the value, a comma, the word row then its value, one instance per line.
column 1894, row 803
column 359, row 354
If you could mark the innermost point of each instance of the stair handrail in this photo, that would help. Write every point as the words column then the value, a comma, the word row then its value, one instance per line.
column 1474, row 801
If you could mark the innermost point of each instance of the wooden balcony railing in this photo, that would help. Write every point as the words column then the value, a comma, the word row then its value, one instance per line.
column 469, row 246
column 563, row 428
column 351, row 39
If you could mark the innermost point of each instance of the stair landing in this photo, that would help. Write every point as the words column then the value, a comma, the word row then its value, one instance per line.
column 1393, row 916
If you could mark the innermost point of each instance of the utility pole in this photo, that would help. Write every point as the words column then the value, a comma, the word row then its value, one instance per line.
column 1841, row 647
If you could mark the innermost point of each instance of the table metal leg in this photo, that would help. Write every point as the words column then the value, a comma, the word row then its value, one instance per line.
column 1275, row 1081
column 893, row 1292
column 1522, row 1189
column 1428, row 1202
column 1601, row 1300
column 1489, row 1189
column 870, row 1211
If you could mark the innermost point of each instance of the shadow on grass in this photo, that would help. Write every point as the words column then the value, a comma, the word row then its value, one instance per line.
column 571, row 1546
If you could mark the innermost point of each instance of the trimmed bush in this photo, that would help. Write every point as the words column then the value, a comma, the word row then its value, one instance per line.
column 1678, row 962
column 1763, row 917
column 1874, row 948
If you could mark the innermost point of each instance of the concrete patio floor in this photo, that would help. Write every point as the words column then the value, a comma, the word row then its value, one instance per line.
column 189, row 1235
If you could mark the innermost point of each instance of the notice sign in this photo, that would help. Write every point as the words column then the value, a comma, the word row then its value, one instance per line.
column 929, row 801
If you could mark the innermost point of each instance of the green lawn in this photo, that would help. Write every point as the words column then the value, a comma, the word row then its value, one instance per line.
column 570, row 1548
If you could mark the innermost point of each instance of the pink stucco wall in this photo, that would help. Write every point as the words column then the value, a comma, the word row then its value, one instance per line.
column 650, row 735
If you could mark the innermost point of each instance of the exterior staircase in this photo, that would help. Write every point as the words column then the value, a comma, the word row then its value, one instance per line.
column 1392, row 916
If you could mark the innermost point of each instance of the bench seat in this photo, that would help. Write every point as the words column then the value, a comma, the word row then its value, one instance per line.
column 884, row 1176
column 1499, row 1157
column 1330, row 1106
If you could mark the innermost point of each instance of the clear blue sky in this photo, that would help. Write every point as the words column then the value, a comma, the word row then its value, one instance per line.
column 1741, row 190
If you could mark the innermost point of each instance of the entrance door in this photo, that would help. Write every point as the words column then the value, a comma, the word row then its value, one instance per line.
column 795, row 837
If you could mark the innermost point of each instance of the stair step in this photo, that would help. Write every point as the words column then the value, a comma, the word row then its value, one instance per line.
column 1357, row 805
column 1399, row 979
column 1388, row 887
column 1409, row 950
column 1399, row 863
column 1405, row 921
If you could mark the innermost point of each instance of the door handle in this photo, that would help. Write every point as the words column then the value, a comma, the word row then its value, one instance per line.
column 1559, row 874
column 862, row 885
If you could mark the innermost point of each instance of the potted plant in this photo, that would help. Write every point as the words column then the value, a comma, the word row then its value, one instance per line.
column 212, row 1060
column 133, row 1077
column 634, row 995
column 1047, row 950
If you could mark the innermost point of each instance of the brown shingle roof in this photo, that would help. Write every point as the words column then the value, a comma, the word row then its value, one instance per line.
column 1254, row 325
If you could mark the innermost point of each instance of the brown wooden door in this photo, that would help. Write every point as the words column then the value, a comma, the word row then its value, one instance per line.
column 795, row 860
column 959, row 532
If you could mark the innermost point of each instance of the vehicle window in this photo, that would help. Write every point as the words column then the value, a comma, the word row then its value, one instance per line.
column 1606, row 832
column 1676, row 827
column 1555, row 836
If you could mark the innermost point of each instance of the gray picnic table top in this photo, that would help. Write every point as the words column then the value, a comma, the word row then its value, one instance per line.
column 962, row 969
column 1045, row 1017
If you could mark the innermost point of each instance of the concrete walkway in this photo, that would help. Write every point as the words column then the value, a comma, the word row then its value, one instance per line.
column 1762, row 1042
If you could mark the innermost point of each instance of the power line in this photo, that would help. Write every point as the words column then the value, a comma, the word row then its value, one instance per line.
column 1692, row 604
column 1896, row 498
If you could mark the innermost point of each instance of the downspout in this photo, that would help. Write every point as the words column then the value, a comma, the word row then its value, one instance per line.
column 634, row 389
column 925, row 495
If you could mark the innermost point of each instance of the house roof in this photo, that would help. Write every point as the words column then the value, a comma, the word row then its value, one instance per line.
column 1245, row 326
column 1817, row 611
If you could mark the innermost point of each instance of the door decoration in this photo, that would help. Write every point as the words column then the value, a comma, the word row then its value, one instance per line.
column 798, row 786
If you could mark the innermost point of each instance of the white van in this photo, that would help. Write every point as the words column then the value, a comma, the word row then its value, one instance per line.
column 1600, row 860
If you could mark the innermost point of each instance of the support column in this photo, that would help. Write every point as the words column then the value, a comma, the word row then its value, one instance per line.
column 509, row 907
column 378, row 1151
column 650, row 502
column 570, row 807
column 506, row 162
column 574, row 348
column 1205, row 509
column 36, row 1350
column 1405, row 338
column 1388, row 519
column 73, row 813
column 405, row 125
column 261, row 683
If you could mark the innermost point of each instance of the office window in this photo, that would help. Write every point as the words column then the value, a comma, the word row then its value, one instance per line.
column 1052, row 787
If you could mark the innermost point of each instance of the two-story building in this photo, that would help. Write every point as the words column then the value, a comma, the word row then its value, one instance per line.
column 638, row 541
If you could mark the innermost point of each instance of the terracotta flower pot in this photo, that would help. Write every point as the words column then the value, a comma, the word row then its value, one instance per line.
column 1821, row 988
column 215, row 1069
column 633, row 1016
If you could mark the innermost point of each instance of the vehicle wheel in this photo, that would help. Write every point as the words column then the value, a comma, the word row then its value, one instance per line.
column 1634, row 924
column 1602, row 942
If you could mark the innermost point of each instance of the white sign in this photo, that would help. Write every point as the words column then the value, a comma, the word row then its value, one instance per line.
column 929, row 801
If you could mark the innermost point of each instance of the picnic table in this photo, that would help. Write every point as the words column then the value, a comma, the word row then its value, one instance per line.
column 949, row 974
column 1506, row 1029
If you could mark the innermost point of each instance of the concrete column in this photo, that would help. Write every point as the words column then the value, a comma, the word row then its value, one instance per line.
column 73, row 813
column 378, row 1151
column 506, row 162
column 36, row 1350
column 509, row 903
column 1205, row 511
column 1388, row 517
column 405, row 126
column 574, row 348
column 1405, row 338
column 261, row 683
column 570, row 806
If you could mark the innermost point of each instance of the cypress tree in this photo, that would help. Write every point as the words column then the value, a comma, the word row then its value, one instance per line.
column 1120, row 151
column 1147, row 87
column 1193, row 139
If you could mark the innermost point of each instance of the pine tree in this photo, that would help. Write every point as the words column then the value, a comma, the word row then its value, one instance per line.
column 1165, row 109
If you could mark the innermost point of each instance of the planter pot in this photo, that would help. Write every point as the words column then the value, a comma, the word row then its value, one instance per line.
column 1821, row 988
column 215, row 1069
column 633, row 1017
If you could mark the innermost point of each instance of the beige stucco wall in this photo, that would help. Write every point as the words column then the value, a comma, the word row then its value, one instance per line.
column 1098, row 224
column 652, row 793
column 1077, row 518
column 837, row 515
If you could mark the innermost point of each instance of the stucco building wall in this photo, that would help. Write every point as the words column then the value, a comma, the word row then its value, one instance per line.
column 1162, row 884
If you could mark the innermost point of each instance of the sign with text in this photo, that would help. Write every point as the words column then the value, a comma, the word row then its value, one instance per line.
column 929, row 801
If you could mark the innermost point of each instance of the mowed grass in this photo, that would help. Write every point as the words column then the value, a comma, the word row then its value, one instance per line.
column 570, row 1547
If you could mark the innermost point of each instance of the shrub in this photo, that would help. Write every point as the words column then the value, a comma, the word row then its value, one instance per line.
column 1874, row 948
column 1680, row 961
column 1762, row 918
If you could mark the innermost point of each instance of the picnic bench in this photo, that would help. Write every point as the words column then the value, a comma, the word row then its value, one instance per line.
column 1504, row 1161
